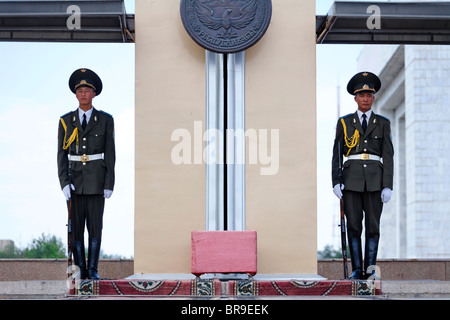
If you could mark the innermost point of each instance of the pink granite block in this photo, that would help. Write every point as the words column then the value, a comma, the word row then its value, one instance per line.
column 223, row 252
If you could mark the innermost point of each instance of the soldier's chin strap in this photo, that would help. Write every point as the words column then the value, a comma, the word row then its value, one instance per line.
column 67, row 143
column 351, row 142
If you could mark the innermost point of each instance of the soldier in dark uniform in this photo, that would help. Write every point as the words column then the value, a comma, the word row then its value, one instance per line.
column 86, row 144
column 364, row 138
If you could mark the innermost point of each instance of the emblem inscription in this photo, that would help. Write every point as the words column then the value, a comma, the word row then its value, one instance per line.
column 226, row 26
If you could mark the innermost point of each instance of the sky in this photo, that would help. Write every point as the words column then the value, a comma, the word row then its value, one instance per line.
column 34, row 94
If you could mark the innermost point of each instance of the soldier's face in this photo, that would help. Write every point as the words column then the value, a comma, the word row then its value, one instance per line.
column 85, row 95
column 364, row 101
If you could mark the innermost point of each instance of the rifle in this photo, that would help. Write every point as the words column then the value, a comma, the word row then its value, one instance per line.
column 69, row 225
column 69, row 238
column 342, row 225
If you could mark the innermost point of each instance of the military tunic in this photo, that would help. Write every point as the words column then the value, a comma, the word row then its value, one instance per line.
column 90, row 177
column 364, row 175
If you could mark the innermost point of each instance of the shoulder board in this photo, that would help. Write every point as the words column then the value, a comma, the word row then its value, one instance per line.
column 383, row 117
column 66, row 114
column 106, row 113
column 346, row 116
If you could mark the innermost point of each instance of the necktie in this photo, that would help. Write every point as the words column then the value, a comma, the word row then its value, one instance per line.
column 83, row 124
column 364, row 123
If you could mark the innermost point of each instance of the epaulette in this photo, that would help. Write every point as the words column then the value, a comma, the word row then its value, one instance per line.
column 66, row 114
column 383, row 117
column 106, row 113
column 346, row 116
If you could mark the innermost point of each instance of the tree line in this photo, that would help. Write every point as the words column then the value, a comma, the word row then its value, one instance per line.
column 44, row 247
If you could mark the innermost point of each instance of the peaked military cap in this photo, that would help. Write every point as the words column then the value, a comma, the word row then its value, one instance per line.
column 85, row 78
column 364, row 82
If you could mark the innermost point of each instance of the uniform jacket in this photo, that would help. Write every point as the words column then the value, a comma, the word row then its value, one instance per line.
column 94, row 176
column 364, row 175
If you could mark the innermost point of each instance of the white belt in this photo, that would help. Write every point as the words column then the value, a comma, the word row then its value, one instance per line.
column 86, row 157
column 364, row 156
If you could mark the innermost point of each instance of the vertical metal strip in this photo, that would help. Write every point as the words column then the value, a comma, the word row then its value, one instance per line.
column 236, row 142
column 231, row 130
column 214, row 148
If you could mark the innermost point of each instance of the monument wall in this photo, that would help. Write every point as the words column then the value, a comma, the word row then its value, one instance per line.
column 280, row 86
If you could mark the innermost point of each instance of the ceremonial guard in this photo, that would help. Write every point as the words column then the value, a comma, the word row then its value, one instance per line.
column 86, row 159
column 365, row 179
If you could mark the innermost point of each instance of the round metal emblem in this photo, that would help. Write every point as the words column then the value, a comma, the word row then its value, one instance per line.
column 226, row 26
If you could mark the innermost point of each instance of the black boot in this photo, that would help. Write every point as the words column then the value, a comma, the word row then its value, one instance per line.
column 79, row 258
column 370, row 256
column 93, row 256
column 356, row 257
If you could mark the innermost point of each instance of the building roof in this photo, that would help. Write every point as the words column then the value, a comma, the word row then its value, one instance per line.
column 53, row 21
column 346, row 22
column 398, row 23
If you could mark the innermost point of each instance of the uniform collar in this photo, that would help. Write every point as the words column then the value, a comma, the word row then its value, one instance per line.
column 78, row 116
column 88, row 114
column 360, row 113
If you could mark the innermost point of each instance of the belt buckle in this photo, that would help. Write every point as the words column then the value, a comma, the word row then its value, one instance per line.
column 84, row 158
column 364, row 156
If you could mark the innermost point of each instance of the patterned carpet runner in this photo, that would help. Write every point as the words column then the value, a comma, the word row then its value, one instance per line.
column 199, row 287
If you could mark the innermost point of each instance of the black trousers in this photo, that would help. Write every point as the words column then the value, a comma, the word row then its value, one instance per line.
column 358, row 204
column 87, row 210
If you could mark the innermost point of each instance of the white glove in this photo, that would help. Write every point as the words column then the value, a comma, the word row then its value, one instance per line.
column 66, row 191
column 337, row 189
column 107, row 193
column 386, row 195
